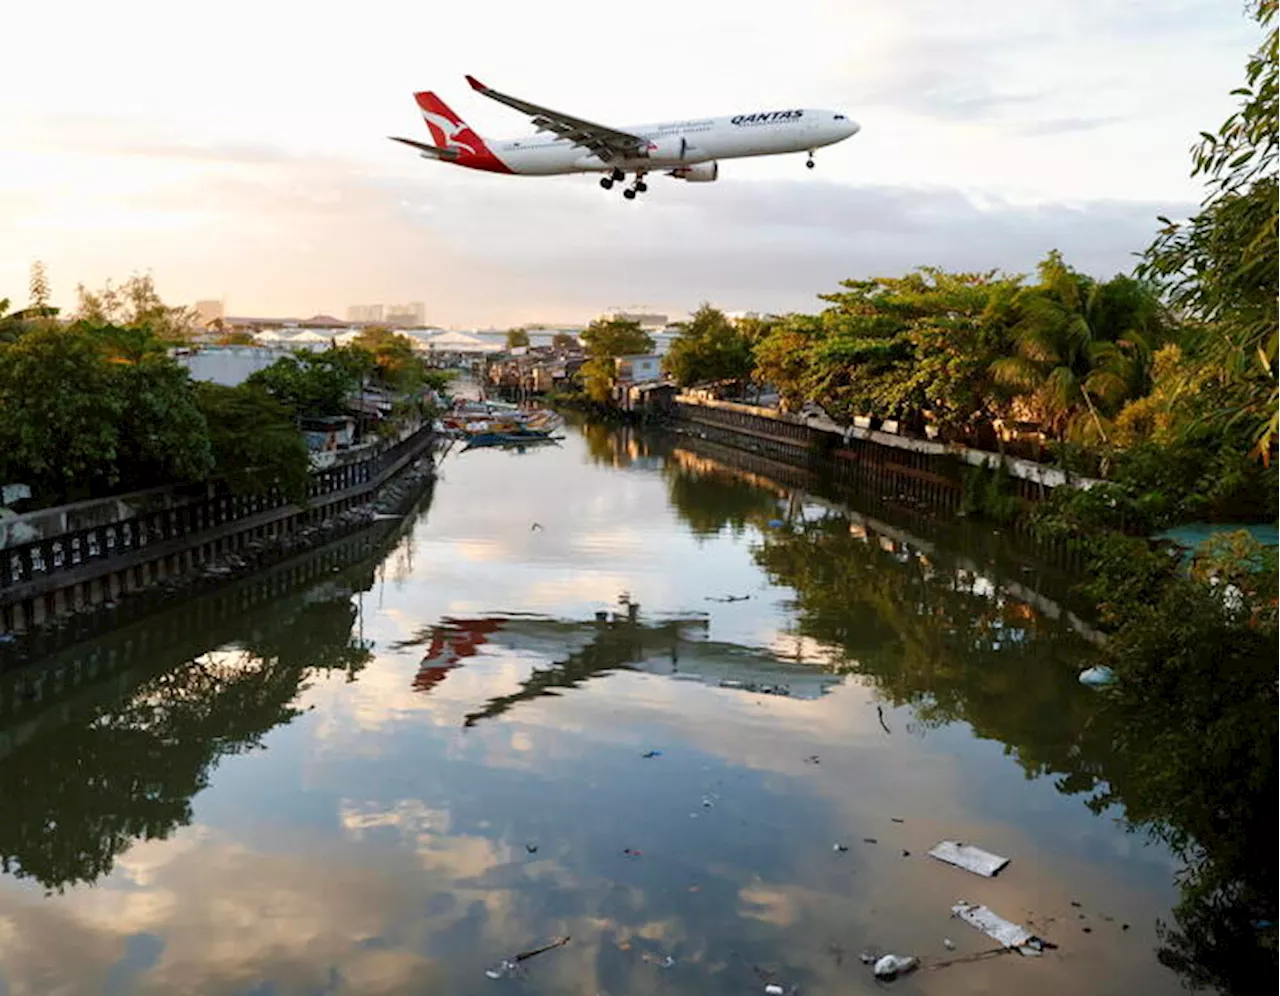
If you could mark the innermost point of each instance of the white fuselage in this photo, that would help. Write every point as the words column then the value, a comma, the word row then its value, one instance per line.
column 678, row 144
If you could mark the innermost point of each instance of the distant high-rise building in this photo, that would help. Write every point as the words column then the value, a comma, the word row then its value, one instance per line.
column 364, row 313
column 411, row 315
column 209, row 311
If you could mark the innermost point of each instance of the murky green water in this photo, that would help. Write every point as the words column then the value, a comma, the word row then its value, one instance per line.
column 397, row 773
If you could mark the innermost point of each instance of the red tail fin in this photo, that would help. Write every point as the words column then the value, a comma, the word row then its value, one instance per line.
column 451, row 132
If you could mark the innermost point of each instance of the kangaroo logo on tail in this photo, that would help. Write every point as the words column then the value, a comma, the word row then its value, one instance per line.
column 447, row 128
column 448, row 131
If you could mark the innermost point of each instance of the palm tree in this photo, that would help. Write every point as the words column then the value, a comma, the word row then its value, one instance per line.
column 1081, row 348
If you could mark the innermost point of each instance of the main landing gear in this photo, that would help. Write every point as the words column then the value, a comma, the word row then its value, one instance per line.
column 617, row 176
column 639, row 187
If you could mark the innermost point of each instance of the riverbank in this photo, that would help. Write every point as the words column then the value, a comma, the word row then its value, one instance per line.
column 80, row 603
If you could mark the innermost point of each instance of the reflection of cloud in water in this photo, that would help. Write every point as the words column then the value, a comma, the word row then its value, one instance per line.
column 481, row 551
column 244, row 916
column 579, row 586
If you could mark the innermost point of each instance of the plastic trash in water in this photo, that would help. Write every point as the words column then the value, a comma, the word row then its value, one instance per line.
column 1011, row 935
column 948, row 943
column 511, row 966
column 505, row 969
column 968, row 857
column 773, row 989
column 652, row 753
column 775, row 523
column 890, row 966
column 1096, row 677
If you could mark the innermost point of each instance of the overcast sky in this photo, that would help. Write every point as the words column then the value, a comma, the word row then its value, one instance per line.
column 238, row 150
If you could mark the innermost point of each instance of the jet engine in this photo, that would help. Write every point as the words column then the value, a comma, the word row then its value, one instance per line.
column 697, row 173
column 671, row 149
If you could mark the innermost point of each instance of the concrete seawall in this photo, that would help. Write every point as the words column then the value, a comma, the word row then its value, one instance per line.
column 125, row 546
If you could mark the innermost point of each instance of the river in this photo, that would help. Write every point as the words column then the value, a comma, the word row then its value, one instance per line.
column 705, row 724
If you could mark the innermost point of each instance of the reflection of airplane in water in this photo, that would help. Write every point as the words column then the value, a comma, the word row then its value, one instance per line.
column 676, row 647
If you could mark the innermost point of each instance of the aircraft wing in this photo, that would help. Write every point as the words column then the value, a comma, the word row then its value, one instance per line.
column 607, row 143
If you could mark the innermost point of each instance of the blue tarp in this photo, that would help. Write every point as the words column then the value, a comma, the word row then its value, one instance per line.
column 1191, row 534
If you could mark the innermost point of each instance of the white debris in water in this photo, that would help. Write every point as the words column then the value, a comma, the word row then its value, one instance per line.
column 968, row 857
column 996, row 927
column 892, row 965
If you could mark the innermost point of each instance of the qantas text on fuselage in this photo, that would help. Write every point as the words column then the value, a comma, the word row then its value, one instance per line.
column 687, row 150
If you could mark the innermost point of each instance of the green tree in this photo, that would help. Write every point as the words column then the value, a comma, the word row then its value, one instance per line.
column 709, row 347
column 517, row 338
column 1220, row 267
column 37, row 312
column 163, row 435
column 605, row 340
column 81, row 421
column 309, row 384
column 1081, row 349
column 783, row 357
column 38, row 288
column 135, row 304
column 60, row 430
column 912, row 347
column 395, row 363
column 11, row 322
column 254, row 439
column 564, row 341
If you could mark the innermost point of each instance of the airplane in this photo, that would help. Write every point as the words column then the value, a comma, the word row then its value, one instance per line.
column 687, row 150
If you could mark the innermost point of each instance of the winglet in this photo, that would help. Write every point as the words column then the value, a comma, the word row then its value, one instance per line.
column 476, row 84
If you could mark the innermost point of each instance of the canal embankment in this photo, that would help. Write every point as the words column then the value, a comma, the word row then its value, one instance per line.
column 940, row 479
column 61, row 566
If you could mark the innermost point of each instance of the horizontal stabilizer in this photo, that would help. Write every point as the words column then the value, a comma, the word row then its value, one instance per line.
column 434, row 151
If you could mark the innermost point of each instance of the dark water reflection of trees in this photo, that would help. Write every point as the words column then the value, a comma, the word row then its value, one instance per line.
column 110, row 769
column 1193, row 766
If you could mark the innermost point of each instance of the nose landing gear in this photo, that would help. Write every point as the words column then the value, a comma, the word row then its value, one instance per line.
column 809, row 162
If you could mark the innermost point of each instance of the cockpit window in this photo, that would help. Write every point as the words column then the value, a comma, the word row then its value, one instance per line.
column 839, row 117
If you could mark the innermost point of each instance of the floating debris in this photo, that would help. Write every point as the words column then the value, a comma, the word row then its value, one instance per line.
column 948, row 943
column 773, row 989
column 1011, row 935
column 840, row 847
column 1097, row 677
column 812, row 759
column 870, row 840
column 509, row 966
column 895, row 819
column 906, row 853
column 968, row 857
column 531, row 848
column 632, row 852
column 652, row 753
column 891, row 966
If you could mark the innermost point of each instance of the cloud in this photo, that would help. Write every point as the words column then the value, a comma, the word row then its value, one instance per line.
column 1063, row 126
column 774, row 245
